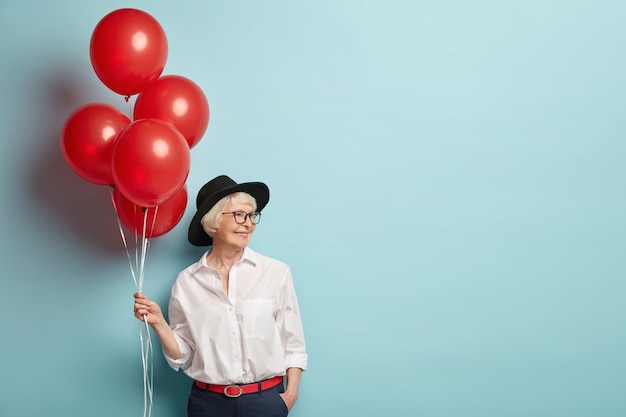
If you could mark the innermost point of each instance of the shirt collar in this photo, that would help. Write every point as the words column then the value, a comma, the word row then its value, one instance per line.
column 248, row 256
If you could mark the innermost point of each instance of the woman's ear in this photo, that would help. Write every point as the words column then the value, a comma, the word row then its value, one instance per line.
column 210, row 230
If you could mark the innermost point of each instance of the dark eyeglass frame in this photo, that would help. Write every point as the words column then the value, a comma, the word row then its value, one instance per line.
column 255, row 216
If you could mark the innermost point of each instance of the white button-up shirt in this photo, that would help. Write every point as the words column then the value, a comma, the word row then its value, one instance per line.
column 253, row 334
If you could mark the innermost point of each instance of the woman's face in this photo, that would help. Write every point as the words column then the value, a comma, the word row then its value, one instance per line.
column 230, row 233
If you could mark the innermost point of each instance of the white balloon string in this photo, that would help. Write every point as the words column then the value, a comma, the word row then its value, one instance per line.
column 146, row 341
column 123, row 236
column 144, row 249
column 156, row 211
column 148, row 370
column 137, row 246
column 130, row 107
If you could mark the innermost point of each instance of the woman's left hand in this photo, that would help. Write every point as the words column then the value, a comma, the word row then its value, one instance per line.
column 289, row 400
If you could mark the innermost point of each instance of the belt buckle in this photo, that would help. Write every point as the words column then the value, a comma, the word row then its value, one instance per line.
column 226, row 393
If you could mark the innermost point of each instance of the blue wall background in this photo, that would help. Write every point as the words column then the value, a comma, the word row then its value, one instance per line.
column 447, row 184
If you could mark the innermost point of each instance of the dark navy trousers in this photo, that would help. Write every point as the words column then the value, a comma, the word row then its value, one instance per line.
column 268, row 403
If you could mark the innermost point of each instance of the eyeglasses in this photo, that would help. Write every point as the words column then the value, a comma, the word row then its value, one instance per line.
column 241, row 216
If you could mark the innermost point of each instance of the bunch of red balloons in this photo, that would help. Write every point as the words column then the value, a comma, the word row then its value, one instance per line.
column 146, row 160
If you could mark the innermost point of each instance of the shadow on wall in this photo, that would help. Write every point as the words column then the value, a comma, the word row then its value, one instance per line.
column 82, row 209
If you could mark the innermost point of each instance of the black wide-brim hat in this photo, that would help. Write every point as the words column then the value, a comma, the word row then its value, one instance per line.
column 212, row 192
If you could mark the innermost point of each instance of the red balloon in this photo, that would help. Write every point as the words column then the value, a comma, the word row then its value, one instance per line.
column 158, row 220
column 128, row 50
column 87, row 140
column 177, row 100
column 150, row 162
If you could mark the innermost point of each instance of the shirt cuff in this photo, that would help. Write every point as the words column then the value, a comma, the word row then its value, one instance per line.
column 297, row 361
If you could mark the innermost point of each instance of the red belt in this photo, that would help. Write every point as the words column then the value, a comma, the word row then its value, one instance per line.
column 237, row 390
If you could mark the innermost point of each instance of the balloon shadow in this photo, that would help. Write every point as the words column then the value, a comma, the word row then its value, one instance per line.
column 85, row 210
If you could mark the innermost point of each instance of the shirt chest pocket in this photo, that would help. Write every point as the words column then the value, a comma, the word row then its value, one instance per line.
column 258, row 318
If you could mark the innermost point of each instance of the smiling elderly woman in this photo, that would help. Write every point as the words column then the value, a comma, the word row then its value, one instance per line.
column 210, row 221
column 234, row 321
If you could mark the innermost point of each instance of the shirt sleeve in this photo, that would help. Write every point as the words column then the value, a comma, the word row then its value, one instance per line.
column 290, row 327
column 178, row 323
